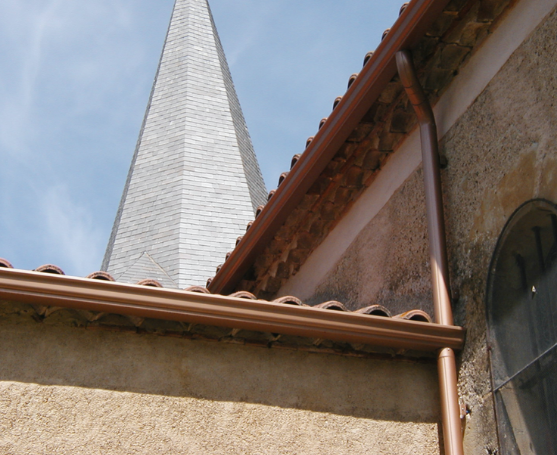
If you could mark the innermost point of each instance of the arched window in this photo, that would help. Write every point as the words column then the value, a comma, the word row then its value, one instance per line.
column 522, row 330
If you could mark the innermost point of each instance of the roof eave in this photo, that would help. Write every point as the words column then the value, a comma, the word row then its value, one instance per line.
column 376, row 74
column 223, row 311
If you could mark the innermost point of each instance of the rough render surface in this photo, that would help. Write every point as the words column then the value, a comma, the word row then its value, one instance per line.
column 388, row 263
column 501, row 153
column 194, row 182
column 70, row 390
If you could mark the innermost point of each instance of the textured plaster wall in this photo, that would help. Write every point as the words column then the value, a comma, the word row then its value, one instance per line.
column 502, row 152
column 71, row 390
column 388, row 262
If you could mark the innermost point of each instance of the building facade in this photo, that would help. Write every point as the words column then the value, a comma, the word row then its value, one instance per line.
column 340, row 357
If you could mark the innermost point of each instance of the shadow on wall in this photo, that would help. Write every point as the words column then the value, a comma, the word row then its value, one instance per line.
column 388, row 262
column 51, row 355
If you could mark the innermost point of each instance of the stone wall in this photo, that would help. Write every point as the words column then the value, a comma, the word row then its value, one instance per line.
column 501, row 153
column 72, row 390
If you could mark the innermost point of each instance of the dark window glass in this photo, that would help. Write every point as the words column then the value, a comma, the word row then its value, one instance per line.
column 522, row 317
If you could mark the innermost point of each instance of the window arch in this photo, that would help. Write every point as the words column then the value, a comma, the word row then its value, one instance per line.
column 522, row 330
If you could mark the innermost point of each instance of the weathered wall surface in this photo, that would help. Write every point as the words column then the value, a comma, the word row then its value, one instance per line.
column 72, row 390
column 502, row 152
column 388, row 262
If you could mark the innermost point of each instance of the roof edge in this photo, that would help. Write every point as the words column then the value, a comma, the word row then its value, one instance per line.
column 223, row 311
column 376, row 74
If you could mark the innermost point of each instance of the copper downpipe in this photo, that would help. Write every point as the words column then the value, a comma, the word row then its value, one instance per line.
column 450, row 409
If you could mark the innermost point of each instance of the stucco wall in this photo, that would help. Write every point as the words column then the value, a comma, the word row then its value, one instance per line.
column 72, row 390
column 501, row 152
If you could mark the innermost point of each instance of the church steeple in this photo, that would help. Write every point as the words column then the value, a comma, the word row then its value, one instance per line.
column 194, row 181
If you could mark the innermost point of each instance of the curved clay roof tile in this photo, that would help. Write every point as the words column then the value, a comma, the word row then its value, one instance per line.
column 100, row 275
column 367, row 57
column 415, row 315
column 243, row 295
column 332, row 305
column 402, row 8
column 289, row 300
column 250, row 224
column 352, row 79
column 322, row 122
column 295, row 159
column 239, row 239
column 50, row 268
column 308, row 141
column 375, row 310
column 209, row 281
column 271, row 194
column 282, row 177
column 6, row 264
column 385, row 33
column 337, row 100
column 150, row 283
column 258, row 210
column 199, row 289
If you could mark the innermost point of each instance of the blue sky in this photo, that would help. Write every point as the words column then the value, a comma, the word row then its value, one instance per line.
column 74, row 83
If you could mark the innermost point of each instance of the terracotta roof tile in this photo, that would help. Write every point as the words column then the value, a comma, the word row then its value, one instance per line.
column 199, row 289
column 415, row 315
column 100, row 276
column 258, row 210
column 290, row 300
column 352, row 79
column 282, row 177
column 332, row 305
column 5, row 263
column 367, row 57
column 49, row 268
column 244, row 295
column 376, row 310
column 149, row 282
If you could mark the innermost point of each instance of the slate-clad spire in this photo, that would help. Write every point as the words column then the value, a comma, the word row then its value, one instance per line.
column 194, row 181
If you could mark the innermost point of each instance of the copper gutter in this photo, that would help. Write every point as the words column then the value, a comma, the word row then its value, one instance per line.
column 223, row 311
column 376, row 74
column 452, row 431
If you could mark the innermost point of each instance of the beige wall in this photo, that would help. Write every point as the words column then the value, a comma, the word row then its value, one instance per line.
column 66, row 390
column 502, row 152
